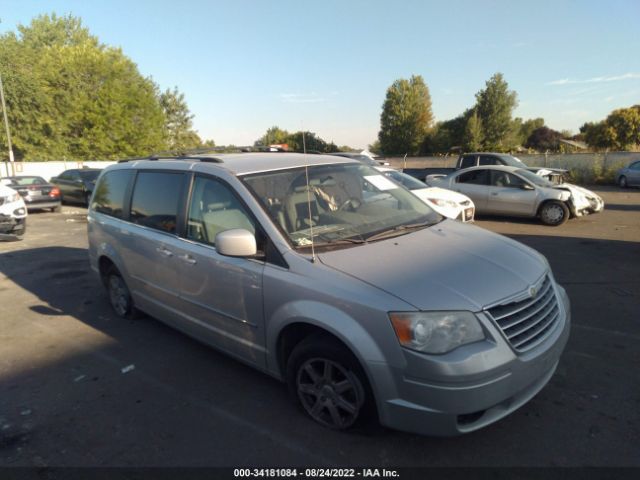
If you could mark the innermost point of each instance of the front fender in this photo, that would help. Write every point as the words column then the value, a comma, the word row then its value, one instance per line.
column 346, row 329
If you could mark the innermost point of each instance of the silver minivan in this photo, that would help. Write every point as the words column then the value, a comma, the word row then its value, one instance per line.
column 323, row 273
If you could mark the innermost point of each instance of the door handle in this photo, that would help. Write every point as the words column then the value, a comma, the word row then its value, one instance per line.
column 164, row 251
column 495, row 194
column 188, row 259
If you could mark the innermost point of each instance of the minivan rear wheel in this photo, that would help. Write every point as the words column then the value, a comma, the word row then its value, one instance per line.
column 119, row 295
column 328, row 381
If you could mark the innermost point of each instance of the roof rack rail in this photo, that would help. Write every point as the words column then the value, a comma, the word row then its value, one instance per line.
column 199, row 153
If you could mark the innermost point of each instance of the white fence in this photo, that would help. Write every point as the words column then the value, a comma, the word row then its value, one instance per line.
column 46, row 170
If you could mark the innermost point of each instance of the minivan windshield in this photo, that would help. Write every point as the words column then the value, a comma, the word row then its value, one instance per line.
column 338, row 204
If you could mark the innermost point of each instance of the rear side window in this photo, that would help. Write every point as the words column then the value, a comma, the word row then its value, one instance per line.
column 156, row 199
column 109, row 194
column 476, row 177
column 468, row 161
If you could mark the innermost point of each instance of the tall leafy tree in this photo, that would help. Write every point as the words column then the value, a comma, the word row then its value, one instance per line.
column 495, row 105
column 70, row 96
column 406, row 116
column 178, row 125
column 624, row 124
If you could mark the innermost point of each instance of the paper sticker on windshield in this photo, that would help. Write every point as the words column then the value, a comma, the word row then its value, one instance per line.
column 380, row 182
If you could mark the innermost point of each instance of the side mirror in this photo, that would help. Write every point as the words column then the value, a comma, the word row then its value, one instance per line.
column 526, row 186
column 237, row 242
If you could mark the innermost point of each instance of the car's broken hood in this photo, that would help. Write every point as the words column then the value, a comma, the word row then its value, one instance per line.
column 449, row 266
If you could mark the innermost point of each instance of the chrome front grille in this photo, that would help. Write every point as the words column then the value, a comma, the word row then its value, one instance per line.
column 527, row 323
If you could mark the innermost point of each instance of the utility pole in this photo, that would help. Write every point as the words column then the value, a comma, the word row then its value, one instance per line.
column 6, row 124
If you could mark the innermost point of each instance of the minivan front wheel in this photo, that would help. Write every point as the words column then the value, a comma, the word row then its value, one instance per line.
column 554, row 213
column 327, row 380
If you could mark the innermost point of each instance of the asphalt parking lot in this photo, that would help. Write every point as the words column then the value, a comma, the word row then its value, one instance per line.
column 80, row 387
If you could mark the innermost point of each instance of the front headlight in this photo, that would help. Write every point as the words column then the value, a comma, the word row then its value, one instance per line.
column 441, row 202
column 14, row 197
column 436, row 332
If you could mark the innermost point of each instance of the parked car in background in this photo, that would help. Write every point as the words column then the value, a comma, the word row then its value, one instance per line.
column 13, row 213
column 513, row 191
column 76, row 185
column 446, row 202
column 361, row 157
column 479, row 159
column 629, row 176
column 36, row 192
column 365, row 309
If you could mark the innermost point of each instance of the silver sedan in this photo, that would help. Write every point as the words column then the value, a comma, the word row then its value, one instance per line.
column 513, row 191
column 629, row 176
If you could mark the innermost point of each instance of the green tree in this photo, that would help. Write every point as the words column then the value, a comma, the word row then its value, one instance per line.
column 70, row 96
column 526, row 128
column 375, row 147
column 273, row 136
column 473, row 135
column 495, row 105
column 406, row 116
column 446, row 136
column 178, row 125
column 624, row 125
column 598, row 135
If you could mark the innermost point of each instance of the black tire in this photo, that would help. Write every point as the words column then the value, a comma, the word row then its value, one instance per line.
column 622, row 181
column 326, row 379
column 87, row 198
column 554, row 213
column 119, row 295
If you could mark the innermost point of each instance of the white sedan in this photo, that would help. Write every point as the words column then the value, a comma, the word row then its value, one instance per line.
column 446, row 202
column 13, row 213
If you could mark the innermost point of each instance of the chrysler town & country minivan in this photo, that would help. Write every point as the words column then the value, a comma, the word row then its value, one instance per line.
column 323, row 273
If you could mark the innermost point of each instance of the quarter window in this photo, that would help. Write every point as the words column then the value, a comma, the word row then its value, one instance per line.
column 109, row 195
column 155, row 201
column 213, row 209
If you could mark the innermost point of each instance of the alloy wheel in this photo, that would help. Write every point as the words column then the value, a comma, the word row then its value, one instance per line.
column 119, row 295
column 331, row 394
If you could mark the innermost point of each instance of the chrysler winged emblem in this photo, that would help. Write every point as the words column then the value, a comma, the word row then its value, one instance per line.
column 533, row 291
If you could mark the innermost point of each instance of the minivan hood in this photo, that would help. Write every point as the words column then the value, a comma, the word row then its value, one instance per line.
column 449, row 266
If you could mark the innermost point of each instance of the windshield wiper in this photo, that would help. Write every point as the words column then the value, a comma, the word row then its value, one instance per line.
column 398, row 230
column 339, row 241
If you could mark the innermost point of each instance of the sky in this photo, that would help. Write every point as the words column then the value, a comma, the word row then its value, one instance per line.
column 325, row 66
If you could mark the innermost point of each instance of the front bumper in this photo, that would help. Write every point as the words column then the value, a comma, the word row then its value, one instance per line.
column 470, row 387
column 11, row 225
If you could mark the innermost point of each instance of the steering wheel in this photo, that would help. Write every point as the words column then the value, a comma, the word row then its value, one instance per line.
column 351, row 204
